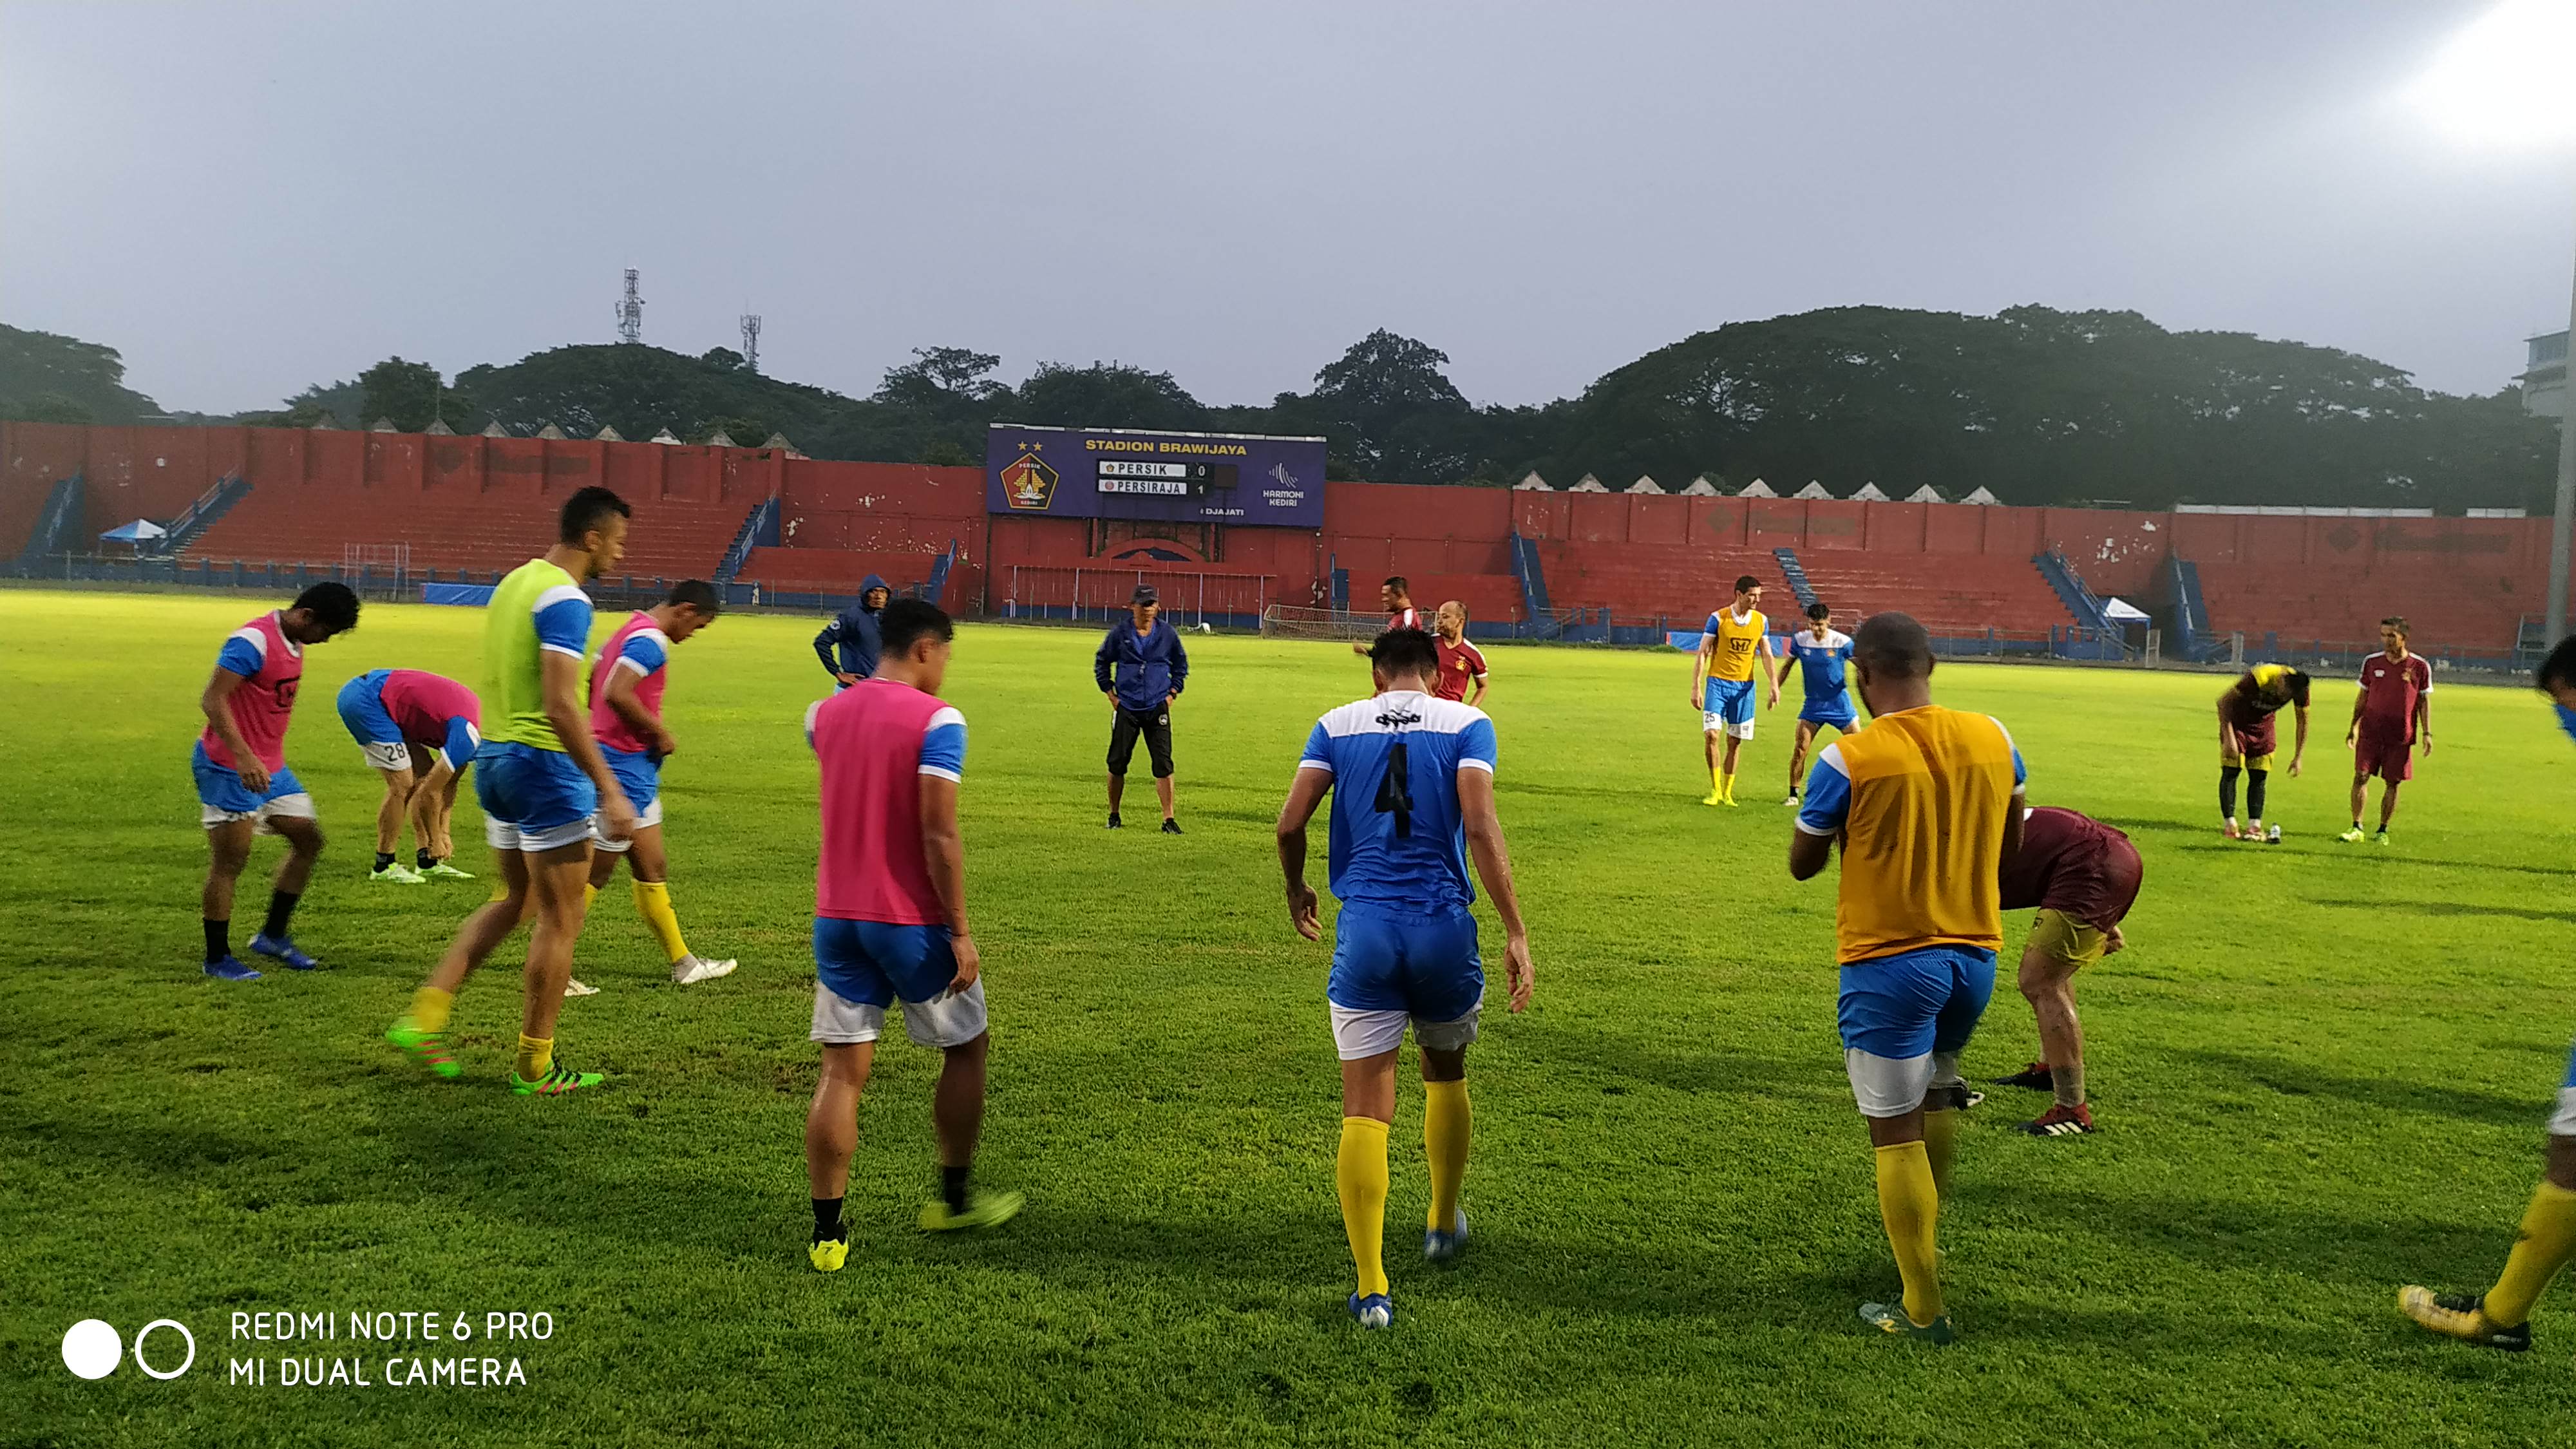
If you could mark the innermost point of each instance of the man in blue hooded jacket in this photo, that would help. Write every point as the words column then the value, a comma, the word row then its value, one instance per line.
column 1149, row 666
column 853, row 636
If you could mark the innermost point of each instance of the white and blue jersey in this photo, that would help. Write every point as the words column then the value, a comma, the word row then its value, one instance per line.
column 1821, row 672
column 1404, row 940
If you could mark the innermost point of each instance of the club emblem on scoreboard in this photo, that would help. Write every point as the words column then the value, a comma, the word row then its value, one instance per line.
column 1028, row 483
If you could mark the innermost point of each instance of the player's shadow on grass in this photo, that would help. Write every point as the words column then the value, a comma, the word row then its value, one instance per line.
column 2382, row 1093
column 2231, row 1236
column 2159, row 827
column 1675, row 1063
column 2457, row 908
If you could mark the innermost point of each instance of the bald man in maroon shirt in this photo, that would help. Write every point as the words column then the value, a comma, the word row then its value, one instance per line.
column 2083, row 876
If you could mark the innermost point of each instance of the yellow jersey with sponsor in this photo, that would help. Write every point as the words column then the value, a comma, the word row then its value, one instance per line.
column 1733, row 638
column 1920, row 799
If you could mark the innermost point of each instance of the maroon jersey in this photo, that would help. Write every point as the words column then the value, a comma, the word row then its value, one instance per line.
column 1460, row 663
column 1405, row 618
column 2389, row 689
column 2075, row 864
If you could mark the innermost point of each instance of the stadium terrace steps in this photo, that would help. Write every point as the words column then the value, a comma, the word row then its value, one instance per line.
column 1950, row 594
column 832, row 570
column 2445, row 605
column 490, row 532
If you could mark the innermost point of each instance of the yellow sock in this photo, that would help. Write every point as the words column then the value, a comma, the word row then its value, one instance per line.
column 500, row 890
column 1446, row 1132
column 429, row 1008
column 589, row 893
column 536, row 1054
column 653, row 903
column 1726, row 787
column 2547, row 1241
column 1360, row 1173
column 1911, row 1208
column 1940, row 1144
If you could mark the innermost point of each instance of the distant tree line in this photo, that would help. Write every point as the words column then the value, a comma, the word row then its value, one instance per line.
column 2038, row 405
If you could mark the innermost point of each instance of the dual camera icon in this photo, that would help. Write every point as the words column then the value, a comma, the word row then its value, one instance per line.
column 92, row 1349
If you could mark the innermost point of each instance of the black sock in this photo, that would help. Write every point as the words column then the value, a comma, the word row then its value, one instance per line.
column 384, row 858
column 426, row 860
column 952, row 1186
column 2227, row 791
column 2254, row 781
column 218, row 944
column 827, row 1220
column 281, row 909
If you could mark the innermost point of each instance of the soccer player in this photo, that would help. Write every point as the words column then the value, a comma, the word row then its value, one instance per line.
column 1141, row 668
column 242, row 780
column 2247, row 737
column 890, row 922
column 1927, row 804
column 1821, row 651
column 848, row 645
column 2082, row 876
column 419, row 731
column 1461, row 663
column 2501, row 1317
column 1396, row 597
column 540, row 778
column 1412, row 781
column 626, row 717
column 2393, row 711
column 1737, row 637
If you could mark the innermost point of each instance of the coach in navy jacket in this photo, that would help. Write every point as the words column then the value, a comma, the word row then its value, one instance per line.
column 848, row 645
column 1142, row 668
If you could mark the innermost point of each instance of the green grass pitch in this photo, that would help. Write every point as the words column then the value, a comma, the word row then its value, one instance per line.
column 2322, row 1070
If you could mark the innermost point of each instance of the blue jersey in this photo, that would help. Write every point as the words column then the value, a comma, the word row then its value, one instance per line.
column 1398, row 839
column 1821, row 664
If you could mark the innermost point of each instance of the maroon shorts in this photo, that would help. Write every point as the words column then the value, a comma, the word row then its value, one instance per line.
column 2096, row 887
column 2255, row 734
column 2390, row 757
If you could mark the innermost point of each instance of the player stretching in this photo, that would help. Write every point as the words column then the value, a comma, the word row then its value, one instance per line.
column 2247, row 737
column 400, row 717
column 1412, row 780
column 890, row 921
column 1396, row 597
column 2392, row 712
column 1820, row 652
column 1927, row 803
column 540, row 779
column 1736, row 637
column 2082, row 876
column 242, row 780
column 2501, row 1317
column 626, row 716
column 1461, row 663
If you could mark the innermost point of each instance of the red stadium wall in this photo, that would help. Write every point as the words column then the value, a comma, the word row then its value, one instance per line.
column 478, row 502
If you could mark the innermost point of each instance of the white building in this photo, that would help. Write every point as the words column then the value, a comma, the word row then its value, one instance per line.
column 2544, row 376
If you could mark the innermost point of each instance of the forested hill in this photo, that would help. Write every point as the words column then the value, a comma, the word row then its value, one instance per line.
column 2038, row 405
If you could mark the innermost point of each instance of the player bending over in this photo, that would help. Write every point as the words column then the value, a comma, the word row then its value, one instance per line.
column 1736, row 638
column 626, row 715
column 2392, row 712
column 540, row 778
column 243, row 784
column 890, row 921
column 1412, row 781
column 420, row 732
column 2501, row 1317
column 1461, row 664
column 2082, row 876
column 1927, row 804
column 2247, row 737
column 1821, row 652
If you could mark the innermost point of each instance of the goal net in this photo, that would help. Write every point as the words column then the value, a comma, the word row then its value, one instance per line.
column 1287, row 621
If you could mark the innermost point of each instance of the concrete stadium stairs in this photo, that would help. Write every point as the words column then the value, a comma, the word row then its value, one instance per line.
column 490, row 532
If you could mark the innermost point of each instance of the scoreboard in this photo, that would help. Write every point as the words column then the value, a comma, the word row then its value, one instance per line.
column 1237, row 478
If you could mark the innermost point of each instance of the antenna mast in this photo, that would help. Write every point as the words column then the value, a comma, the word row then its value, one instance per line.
column 751, row 342
column 630, row 312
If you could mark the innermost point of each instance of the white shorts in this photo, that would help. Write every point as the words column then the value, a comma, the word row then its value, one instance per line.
column 292, row 807
column 2564, row 1124
column 505, row 836
column 1362, row 1034
column 1714, row 722
column 645, row 819
column 388, row 755
column 944, row 1021
column 1894, row 1086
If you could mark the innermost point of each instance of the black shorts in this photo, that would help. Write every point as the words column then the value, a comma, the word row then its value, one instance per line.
column 1156, row 726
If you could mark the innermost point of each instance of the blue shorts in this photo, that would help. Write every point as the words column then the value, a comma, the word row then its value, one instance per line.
column 1836, row 711
column 532, row 799
column 641, row 779
column 1424, row 965
column 1730, row 700
column 362, row 709
column 875, row 963
column 225, row 797
column 1915, row 1003
column 2563, row 1123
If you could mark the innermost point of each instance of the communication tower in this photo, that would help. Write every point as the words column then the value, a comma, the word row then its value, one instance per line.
column 630, row 312
column 751, row 341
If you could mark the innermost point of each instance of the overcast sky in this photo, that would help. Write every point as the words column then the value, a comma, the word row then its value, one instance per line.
column 247, row 198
